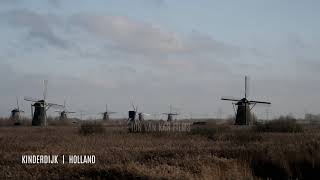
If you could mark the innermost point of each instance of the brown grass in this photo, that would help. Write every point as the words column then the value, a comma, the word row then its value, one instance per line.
column 220, row 152
column 280, row 125
column 88, row 128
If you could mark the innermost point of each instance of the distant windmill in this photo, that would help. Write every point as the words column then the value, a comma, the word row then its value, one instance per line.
column 106, row 114
column 16, row 114
column 141, row 116
column 63, row 113
column 244, row 107
column 170, row 114
column 39, row 115
column 133, row 113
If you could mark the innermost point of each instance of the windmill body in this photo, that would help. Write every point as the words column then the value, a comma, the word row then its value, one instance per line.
column 39, row 115
column 244, row 107
column 141, row 116
column 16, row 114
column 63, row 115
column 243, row 116
column 106, row 116
column 132, row 116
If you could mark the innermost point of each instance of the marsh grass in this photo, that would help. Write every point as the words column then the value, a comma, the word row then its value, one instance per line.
column 280, row 125
column 208, row 152
column 88, row 128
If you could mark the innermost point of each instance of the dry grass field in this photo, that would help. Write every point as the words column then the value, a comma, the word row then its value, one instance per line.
column 208, row 152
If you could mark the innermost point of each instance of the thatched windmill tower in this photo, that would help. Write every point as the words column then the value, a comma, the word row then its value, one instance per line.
column 170, row 114
column 39, row 115
column 16, row 114
column 63, row 113
column 244, row 107
column 106, row 114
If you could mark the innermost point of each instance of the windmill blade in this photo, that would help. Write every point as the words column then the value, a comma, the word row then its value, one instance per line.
column 45, row 87
column 134, row 108
column 56, row 106
column 31, row 111
column 38, row 105
column 31, row 99
column 263, row 105
column 230, row 98
column 247, row 86
column 260, row 102
column 112, row 112
column 18, row 104
column 70, row 112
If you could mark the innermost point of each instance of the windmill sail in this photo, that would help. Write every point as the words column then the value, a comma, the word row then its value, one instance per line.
column 31, row 99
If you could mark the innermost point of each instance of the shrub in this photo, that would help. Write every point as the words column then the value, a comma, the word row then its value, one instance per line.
column 88, row 128
column 280, row 125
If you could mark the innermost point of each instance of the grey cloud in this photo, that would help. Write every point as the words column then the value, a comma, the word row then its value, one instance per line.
column 199, row 42
column 118, row 33
column 146, row 38
column 129, row 34
column 38, row 26
column 156, row 3
column 54, row 3
column 8, row 1
column 48, row 36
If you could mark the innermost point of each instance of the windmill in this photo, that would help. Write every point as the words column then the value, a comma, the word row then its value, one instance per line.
column 170, row 114
column 39, row 115
column 133, row 113
column 63, row 113
column 244, row 107
column 106, row 114
column 141, row 116
column 16, row 113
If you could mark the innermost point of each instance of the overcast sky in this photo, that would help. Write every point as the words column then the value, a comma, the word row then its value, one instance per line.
column 160, row 52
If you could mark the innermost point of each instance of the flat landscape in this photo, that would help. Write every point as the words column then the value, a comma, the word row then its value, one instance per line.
column 210, row 151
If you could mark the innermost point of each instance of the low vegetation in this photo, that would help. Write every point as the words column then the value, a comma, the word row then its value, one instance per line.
column 280, row 125
column 87, row 128
column 209, row 151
